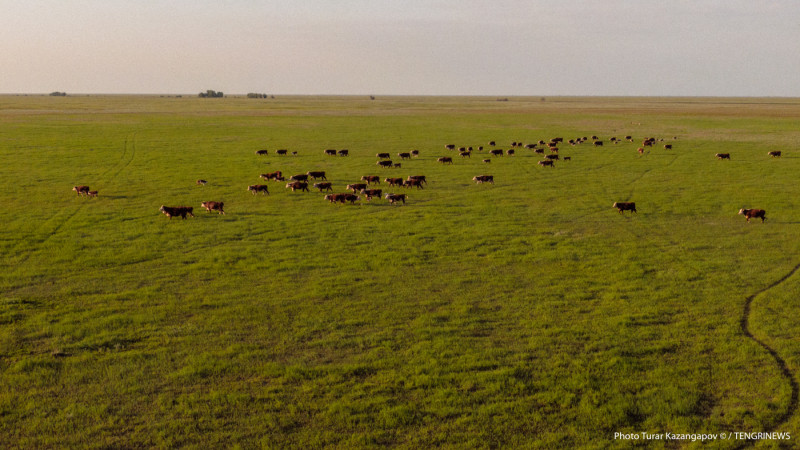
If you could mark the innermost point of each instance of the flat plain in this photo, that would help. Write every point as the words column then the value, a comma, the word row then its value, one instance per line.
column 524, row 313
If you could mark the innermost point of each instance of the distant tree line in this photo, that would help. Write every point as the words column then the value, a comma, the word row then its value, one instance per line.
column 254, row 95
column 211, row 94
column 58, row 94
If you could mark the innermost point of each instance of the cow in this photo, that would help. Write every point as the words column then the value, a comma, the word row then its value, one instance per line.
column 394, row 181
column 330, row 152
column 722, row 156
column 487, row 161
column 538, row 150
column 640, row 150
column 356, row 187
column 445, row 160
column 546, row 163
column 369, row 193
column 316, row 175
column 625, row 206
column 261, row 152
column 450, row 146
column 333, row 198
column 394, row 198
column 295, row 185
column 396, row 165
column 551, row 157
column 757, row 213
column 466, row 154
column 483, row 179
column 412, row 183
column 383, row 156
column 492, row 143
column 344, row 152
column 415, row 153
column 510, row 152
column 81, row 190
column 282, row 151
column 629, row 138
column 213, row 206
column 371, row 179
column 171, row 211
column 567, row 158
column 667, row 146
column 404, row 155
column 530, row 146
column 294, row 153
column 326, row 186
column 598, row 143
column 92, row 194
column 553, row 149
column 775, row 154
column 418, row 177
column 496, row 152
column 299, row 177
column 385, row 163
column 277, row 176
column 201, row 182
column 256, row 188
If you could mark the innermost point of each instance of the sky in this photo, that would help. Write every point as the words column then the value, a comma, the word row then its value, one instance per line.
column 402, row 47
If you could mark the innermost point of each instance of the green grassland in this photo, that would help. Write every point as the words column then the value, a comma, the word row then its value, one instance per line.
column 528, row 313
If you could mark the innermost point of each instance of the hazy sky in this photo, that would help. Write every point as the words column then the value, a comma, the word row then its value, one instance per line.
column 428, row 47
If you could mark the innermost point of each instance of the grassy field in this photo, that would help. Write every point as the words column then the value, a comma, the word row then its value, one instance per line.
column 528, row 313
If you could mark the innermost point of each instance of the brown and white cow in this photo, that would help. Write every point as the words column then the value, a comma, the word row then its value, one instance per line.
column 721, row 156
column 326, row 186
column 356, row 187
column 92, row 193
column 333, row 198
column 483, row 179
column 404, row 155
column 466, row 154
column 445, row 160
column 370, row 193
column 394, row 181
column 667, row 146
column 174, row 211
column 282, row 151
column 202, row 182
column 413, row 183
column 316, row 175
column 330, row 152
column 277, row 176
column 496, row 152
column 371, row 179
column 299, row 177
column 415, row 153
column 552, row 157
column 385, row 163
column 546, row 163
column 81, row 190
column 775, row 154
column 344, row 152
column 418, row 177
column 625, row 206
column 261, row 152
column 213, row 206
column 757, row 213
column 394, row 198
column 383, row 156
column 295, row 185
column 256, row 188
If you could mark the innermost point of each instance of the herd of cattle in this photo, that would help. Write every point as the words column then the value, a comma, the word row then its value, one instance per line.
column 301, row 181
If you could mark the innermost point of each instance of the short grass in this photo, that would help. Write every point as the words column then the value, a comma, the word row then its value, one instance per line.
column 527, row 313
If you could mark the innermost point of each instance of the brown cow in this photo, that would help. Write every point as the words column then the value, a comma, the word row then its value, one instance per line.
column 487, row 160
column 412, row 183
column 538, row 150
column 415, row 153
column 640, row 150
column 171, row 211
column 201, row 182
column 757, row 213
column 552, row 157
column 383, row 156
column 465, row 154
column 667, row 146
column 261, row 152
column 496, row 152
column 299, row 177
column 394, row 198
column 92, row 193
column 330, row 152
column 598, row 143
column 370, row 193
column 546, row 162
column 277, row 176
column 256, row 188
column 344, row 152
column 450, row 146
column 81, row 190
column 385, row 163
column 333, row 198
column 483, row 179
column 282, row 151
column 295, row 185
column 722, row 156
column 213, row 206
column 371, row 179
column 775, row 154
column 625, row 206
column 445, row 160
column 418, row 177
column 326, row 186
column 404, row 155
column 352, row 198
column 316, row 175
column 356, row 187
column 511, row 152
column 394, row 181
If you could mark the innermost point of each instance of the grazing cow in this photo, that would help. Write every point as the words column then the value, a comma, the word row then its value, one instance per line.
column 557, row 139
column 326, row 186
column 541, row 142
column 722, row 156
column 757, row 213
column 394, row 181
column 487, row 161
column 465, row 154
column 371, row 179
column 171, row 211
column 415, row 153
column 530, row 146
column 316, row 175
column 567, row 158
column 282, row 152
column 277, row 176
column 295, row 185
column 261, row 152
column 385, row 163
column 629, row 138
column 344, row 152
column 483, row 179
column 598, row 143
column 625, row 206
column 667, row 146
column 201, row 182
column 418, row 177
column 330, row 152
column 538, row 150
column 294, row 153
column 411, row 183
column 256, row 188
column 92, row 193
column 552, row 157
column 81, row 190
column 383, row 156
column 369, row 193
column 462, row 149
column 450, row 146
column 552, row 144
column 394, row 198
column 299, row 177
column 775, row 154
column 496, row 152
column 445, row 160
column 510, row 152
column 404, row 155
column 356, row 187
column 640, row 150
column 546, row 163
column 594, row 137
column 213, row 206
column 553, row 149
column 492, row 143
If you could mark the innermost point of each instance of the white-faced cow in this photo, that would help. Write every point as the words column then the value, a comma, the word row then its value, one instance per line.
column 316, row 175
column 295, row 185
column 256, row 188
column 81, row 190
column 213, row 206
column 757, row 213
column 326, row 186
column 775, row 154
column 625, row 206
column 445, row 160
column 722, row 156
column 174, row 211
column 394, row 198
column 483, row 179
column 371, row 179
